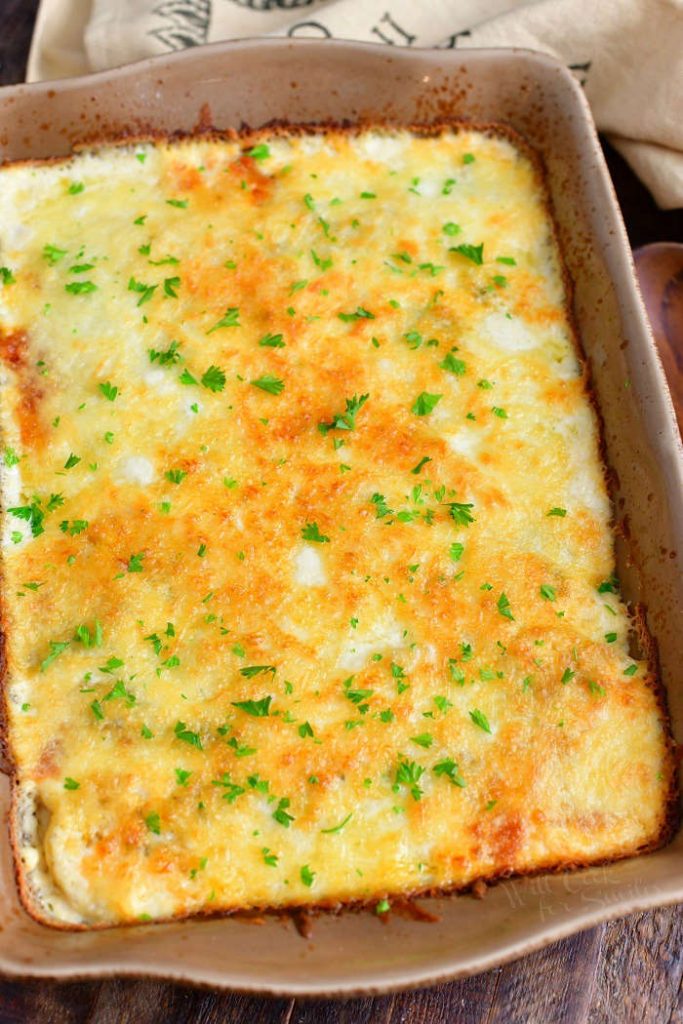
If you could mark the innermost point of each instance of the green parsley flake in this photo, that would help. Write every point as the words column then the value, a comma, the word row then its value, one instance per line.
column 307, row 876
column 108, row 390
column 57, row 647
column 187, row 736
column 81, row 288
column 480, row 719
column 269, row 383
column 213, row 379
column 360, row 314
column 255, row 708
column 409, row 774
column 312, row 533
column 475, row 253
column 259, row 152
column 449, row 769
column 337, row 828
column 272, row 341
column 425, row 403
column 230, row 319
column 503, row 605
column 345, row 420
column 453, row 365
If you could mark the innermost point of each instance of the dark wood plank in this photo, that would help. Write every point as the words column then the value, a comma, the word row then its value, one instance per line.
column 553, row 986
column 149, row 1002
column 348, row 1011
column 641, row 969
column 16, row 19
column 46, row 1001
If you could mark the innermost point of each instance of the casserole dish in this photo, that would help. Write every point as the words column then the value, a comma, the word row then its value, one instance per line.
column 256, row 82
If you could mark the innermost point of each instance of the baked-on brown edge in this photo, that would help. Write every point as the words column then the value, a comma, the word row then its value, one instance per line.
column 300, row 912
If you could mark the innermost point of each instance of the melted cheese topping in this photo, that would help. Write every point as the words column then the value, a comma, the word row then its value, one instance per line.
column 306, row 541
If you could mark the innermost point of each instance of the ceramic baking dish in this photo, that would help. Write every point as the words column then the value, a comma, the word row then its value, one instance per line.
column 255, row 82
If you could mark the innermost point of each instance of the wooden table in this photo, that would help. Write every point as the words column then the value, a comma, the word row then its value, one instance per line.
column 618, row 973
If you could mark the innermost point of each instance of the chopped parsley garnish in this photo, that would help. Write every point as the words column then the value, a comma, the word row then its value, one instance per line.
column 74, row 527
column 171, row 285
column 382, row 907
column 425, row 739
column 503, row 605
column 567, row 676
column 272, row 341
column 425, row 403
column 135, row 562
column 360, row 314
column 281, row 814
column 180, row 204
column 611, row 638
column 609, row 586
column 449, row 768
column 119, row 692
column 175, row 476
column 453, row 365
column 556, row 511
column 10, row 458
column 547, row 592
column 187, row 736
column 255, row 708
column 475, row 253
column 631, row 670
column 255, row 670
column 32, row 514
column 269, row 858
column 81, row 287
column 468, row 158
column 455, row 551
column 307, row 876
column 269, row 383
column 108, row 390
column 409, row 774
column 345, row 420
column 53, row 254
column 70, row 783
column 460, row 512
column 498, row 411
column 153, row 823
column 320, row 263
column 145, row 291
column 451, row 229
column 75, row 187
column 72, row 461
column 423, row 462
column 507, row 260
column 89, row 638
column 167, row 357
column 312, row 533
column 480, row 719
column 230, row 319
column 96, row 709
column 57, row 647
column 259, row 152
column 213, row 379
column 230, row 788
column 337, row 828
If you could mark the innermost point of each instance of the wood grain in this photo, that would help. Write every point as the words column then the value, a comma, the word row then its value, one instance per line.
column 624, row 972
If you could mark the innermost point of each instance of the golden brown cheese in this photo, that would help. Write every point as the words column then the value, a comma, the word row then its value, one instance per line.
column 306, row 550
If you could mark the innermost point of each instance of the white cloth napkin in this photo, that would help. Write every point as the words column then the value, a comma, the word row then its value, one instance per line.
column 627, row 53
